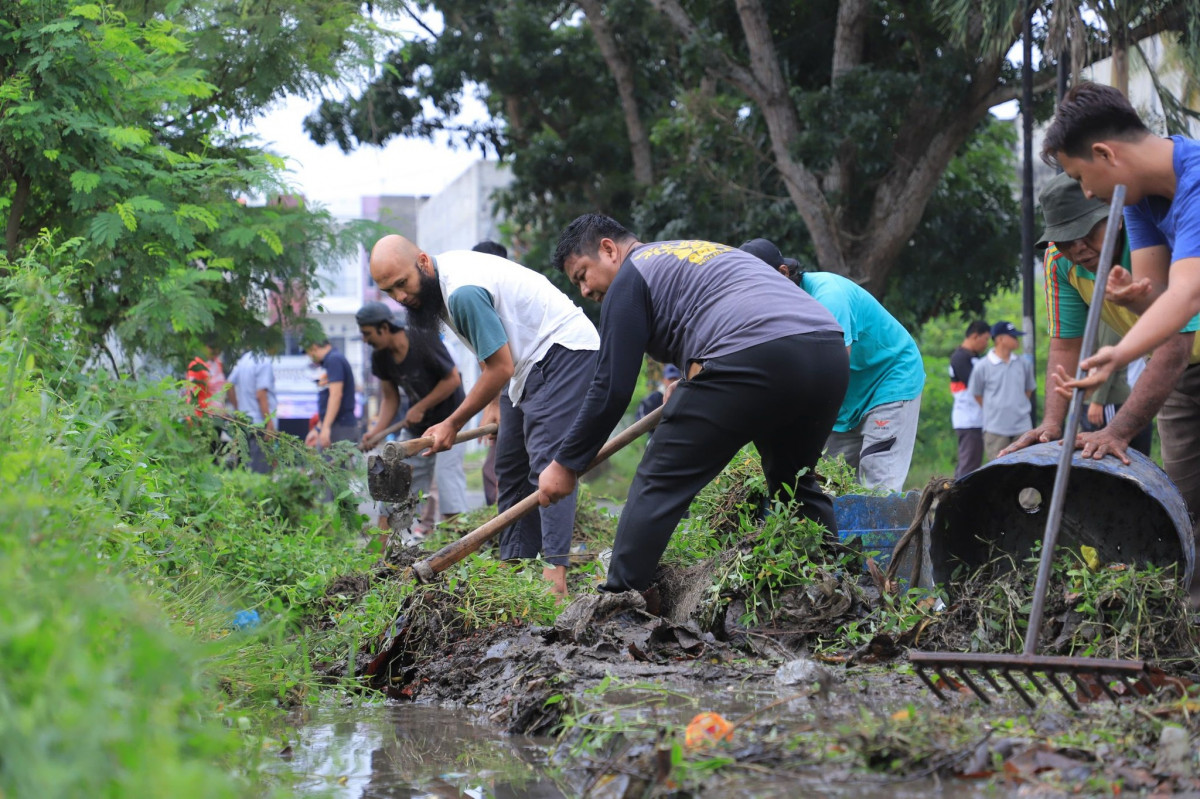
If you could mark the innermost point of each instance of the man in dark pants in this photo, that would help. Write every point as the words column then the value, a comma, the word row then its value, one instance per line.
column 527, row 334
column 765, row 363
column 966, row 417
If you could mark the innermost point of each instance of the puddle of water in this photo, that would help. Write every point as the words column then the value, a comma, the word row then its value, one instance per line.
column 413, row 752
column 421, row 752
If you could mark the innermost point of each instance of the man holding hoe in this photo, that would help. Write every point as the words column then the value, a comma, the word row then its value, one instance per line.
column 764, row 362
column 525, row 332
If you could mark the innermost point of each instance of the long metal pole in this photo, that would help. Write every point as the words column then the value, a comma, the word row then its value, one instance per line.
column 1054, row 514
column 1027, row 200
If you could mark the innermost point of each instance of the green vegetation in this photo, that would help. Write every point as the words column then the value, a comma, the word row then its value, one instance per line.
column 130, row 550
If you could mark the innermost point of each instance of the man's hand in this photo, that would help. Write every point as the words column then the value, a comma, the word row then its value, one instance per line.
column 1100, row 443
column 324, row 439
column 1097, row 368
column 310, row 440
column 491, row 415
column 1095, row 414
column 669, row 390
column 1047, row 431
column 1123, row 290
column 555, row 482
column 414, row 416
column 443, row 435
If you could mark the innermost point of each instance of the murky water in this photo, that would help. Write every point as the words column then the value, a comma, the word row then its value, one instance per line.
column 411, row 752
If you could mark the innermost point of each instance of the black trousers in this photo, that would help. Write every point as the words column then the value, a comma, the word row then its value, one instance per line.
column 783, row 395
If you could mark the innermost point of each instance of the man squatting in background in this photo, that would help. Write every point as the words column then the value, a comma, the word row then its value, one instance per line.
column 876, row 428
column 526, row 333
column 765, row 363
column 417, row 363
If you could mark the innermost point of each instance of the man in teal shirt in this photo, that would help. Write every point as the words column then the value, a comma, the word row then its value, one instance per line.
column 876, row 427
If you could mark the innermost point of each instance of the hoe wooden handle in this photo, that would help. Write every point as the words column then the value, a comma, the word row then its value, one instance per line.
column 415, row 445
column 382, row 434
column 455, row 551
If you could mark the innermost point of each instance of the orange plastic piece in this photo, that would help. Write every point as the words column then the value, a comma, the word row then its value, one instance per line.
column 708, row 728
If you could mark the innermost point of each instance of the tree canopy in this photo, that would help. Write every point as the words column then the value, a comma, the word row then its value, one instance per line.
column 114, row 136
column 855, row 133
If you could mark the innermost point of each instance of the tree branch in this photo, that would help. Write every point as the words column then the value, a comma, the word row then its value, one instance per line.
column 618, row 66
column 848, row 39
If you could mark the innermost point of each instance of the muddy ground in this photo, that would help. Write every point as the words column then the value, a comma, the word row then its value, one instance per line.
column 617, row 684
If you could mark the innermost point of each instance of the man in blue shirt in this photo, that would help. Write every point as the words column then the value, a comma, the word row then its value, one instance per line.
column 1099, row 140
column 876, row 427
column 335, row 402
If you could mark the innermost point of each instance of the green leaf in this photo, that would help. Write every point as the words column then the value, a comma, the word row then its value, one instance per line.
column 127, row 138
column 107, row 228
column 198, row 213
column 272, row 239
column 51, row 155
column 127, row 215
column 84, row 181
column 87, row 11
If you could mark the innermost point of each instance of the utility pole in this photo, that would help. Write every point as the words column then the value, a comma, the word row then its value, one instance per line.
column 1027, row 199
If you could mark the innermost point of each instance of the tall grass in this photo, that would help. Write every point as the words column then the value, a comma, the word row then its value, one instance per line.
column 126, row 550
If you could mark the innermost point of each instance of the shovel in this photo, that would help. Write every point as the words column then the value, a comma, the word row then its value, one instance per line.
column 1028, row 662
column 452, row 553
column 389, row 478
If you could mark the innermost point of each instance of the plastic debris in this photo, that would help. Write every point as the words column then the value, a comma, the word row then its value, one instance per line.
column 708, row 728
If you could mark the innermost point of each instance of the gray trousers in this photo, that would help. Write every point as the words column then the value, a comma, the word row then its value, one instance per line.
column 880, row 449
column 526, row 444
column 451, row 479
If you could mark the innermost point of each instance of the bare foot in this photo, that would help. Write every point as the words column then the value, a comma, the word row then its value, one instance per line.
column 557, row 575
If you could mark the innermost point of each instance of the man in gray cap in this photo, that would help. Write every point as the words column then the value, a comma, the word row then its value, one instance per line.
column 1170, row 385
column 416, row 361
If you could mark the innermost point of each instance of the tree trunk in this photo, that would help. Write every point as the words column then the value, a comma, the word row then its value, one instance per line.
column 849, row 37
column 622, row 72
column 928, row 142
column 12, row 231
column 1120, row 62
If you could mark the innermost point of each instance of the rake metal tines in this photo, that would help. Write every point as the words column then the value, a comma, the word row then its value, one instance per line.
column 1085, row 671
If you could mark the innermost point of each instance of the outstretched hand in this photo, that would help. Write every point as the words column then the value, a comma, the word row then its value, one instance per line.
column 1097, row 369
column 1123, row 290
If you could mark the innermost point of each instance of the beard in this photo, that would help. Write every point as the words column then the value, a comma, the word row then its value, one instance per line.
column 428, row 315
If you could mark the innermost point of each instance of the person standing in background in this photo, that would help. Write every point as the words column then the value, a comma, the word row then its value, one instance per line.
column 1003, row 383
column 966, row 417
column 253, row 381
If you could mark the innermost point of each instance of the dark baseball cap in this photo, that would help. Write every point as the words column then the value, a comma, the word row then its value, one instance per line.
column 1068, row 213
column 1006, row 329
column 765, row 251
column 376, row 313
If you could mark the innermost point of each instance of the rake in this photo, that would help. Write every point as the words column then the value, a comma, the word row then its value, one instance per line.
column 1082, row 670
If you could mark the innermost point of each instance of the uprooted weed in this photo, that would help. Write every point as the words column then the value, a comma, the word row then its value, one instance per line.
column 1114, row 611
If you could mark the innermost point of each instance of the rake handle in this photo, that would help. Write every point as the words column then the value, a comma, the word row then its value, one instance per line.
column 1059, row 496
column 452, row 553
